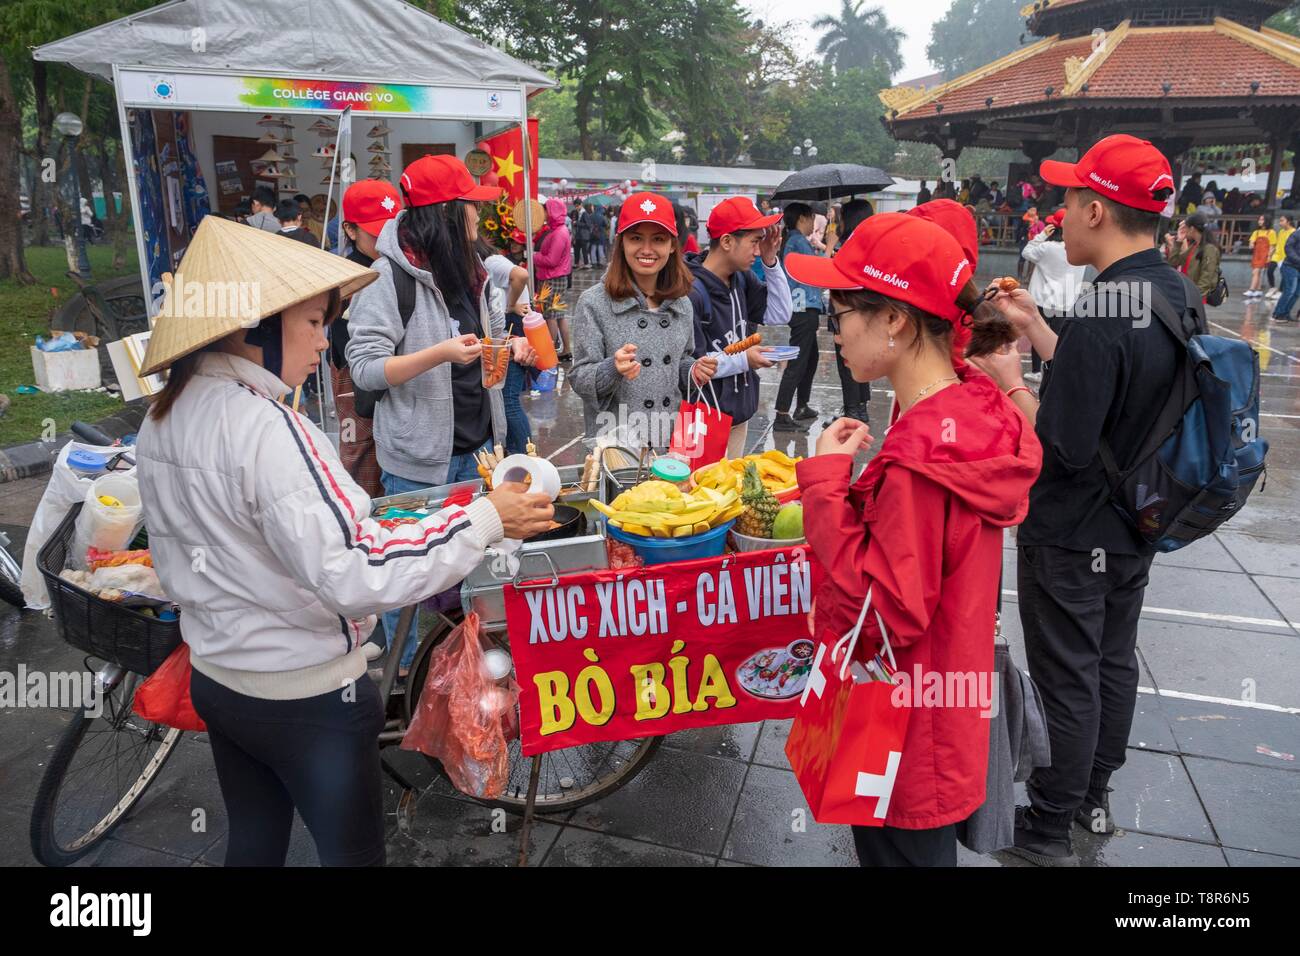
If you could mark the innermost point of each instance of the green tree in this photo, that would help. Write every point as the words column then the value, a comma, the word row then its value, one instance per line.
column 1288, row 21
column 973, row 33
column 859, row 39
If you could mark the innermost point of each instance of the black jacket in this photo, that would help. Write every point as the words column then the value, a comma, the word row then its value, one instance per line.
column 723, row 315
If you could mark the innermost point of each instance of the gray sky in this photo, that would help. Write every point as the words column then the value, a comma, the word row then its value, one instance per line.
column 913, row 17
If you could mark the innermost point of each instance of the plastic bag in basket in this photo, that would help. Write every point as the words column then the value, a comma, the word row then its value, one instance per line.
column 463, row 715
column 164, row 697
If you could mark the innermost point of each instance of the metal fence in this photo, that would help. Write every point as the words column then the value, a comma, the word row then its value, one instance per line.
column 1007, row 230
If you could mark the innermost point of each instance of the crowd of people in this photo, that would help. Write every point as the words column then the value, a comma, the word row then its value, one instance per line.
column 970, row 449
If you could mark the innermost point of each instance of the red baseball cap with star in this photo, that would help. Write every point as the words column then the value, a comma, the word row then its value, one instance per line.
column 904, row 257
column 371, row 203
column 647, row 207
column 1122, row 168
column 435, row 179
column 738, row 214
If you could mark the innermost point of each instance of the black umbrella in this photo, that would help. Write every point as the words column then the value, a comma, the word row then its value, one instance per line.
column 829, row 180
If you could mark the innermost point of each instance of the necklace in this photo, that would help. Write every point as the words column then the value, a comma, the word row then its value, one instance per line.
column 925, row 391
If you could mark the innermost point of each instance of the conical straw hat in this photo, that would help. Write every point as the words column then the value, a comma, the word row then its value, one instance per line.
column 231, row 277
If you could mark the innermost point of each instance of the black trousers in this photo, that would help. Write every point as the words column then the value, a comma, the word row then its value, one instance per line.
column 320, row 755
column 797, row 379
column 892, row 846
column 1079, row 611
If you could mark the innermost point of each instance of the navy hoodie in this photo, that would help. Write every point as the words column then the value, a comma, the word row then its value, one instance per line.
column 725, row 314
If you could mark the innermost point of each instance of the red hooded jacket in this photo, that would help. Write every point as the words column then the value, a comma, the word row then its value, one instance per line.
column 922, row 526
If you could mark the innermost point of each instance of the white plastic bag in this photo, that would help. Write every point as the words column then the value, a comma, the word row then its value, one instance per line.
column 65, row 489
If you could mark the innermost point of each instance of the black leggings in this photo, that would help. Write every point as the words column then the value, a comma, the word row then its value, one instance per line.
column 892, row 846
column 797, row 379
column 320, row 755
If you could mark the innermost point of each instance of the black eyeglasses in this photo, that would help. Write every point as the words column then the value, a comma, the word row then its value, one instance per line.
column 833, row 320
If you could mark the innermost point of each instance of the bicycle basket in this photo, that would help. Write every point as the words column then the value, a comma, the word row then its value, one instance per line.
column 111, row 632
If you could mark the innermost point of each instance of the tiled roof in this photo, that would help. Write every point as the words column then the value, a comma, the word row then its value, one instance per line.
column 1023, row 82
column 1201, row 62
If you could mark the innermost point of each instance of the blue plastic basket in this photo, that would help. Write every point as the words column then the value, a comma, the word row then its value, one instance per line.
column 710, row 544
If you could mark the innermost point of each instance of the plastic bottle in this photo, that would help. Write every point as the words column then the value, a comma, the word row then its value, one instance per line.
column 539, row 337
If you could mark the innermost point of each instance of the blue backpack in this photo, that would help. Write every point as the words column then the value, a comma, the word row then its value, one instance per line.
column 1204, row 453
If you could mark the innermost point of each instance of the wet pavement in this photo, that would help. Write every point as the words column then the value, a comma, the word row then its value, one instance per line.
column 1211, row 777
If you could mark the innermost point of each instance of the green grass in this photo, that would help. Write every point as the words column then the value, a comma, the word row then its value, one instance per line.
column 25, row 311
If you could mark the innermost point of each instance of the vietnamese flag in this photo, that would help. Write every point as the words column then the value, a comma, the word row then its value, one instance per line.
column 507, row 152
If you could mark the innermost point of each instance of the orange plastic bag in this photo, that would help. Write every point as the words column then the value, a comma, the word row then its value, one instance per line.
column 164, row 697
column 463, row 715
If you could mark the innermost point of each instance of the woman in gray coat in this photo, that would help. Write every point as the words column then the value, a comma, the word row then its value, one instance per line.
column 634, row 334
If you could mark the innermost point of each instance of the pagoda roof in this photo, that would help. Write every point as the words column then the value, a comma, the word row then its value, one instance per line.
column 1046, row 16
column 1204, row 67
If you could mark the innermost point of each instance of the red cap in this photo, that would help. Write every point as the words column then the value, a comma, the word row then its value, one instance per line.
column 647, row 207
column 904, row 257
column 435, row 179
column 1120, row 167
column 736, row 215
column 370, row 203
column 955, row 219
column 1056, row 218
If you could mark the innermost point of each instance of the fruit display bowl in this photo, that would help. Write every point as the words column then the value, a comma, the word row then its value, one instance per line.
column 709, row 544
column 745, row 543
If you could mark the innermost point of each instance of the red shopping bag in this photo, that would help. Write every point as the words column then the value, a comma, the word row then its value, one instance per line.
column 846, row 741
column 464, row 718
column 164, row 697
column 701, row 431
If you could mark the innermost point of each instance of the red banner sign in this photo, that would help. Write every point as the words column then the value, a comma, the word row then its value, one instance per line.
column 614, row 655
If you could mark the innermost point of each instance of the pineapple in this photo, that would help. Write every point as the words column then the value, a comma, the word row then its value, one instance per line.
column 760, row 504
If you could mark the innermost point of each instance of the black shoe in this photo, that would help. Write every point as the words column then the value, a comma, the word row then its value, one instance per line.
column 805, row 414
column 859, row 412
column 1042, row 841
column 782, row 422
column 1094, row 813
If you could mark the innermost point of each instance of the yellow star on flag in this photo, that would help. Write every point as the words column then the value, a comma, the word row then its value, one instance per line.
column 507, row 167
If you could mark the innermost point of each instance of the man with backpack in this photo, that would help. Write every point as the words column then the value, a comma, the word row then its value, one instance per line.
column 1082, row 565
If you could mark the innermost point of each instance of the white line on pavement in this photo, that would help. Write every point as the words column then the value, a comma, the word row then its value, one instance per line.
column 1227, row 701
column 1293, row 358
column 1200, row 615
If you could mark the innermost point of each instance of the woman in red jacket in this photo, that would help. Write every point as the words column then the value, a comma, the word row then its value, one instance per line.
column 922, row 525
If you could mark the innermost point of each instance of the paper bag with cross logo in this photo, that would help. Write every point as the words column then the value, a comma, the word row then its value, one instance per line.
column 700, row 432
column 846, row 741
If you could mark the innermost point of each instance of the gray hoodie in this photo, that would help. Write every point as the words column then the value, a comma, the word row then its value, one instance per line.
column 414, row 422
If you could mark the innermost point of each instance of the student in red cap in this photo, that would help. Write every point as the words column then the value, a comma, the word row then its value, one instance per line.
column 435, row 413
column 956, row 220
column 634, row 333
column 1082, row 571
column 730, row 302
column 367, row 205
column 921, row 527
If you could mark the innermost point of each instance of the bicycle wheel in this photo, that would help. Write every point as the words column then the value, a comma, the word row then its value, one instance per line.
column 11, row 574
column 97, row 773
column 569, row 778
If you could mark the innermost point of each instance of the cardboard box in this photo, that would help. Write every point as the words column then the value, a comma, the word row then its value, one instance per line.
column 66, row 371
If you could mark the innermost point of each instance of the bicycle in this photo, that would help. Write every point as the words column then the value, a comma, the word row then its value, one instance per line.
column 102, row 765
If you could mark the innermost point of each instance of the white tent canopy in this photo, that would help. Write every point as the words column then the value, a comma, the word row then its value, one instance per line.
column 383, row 40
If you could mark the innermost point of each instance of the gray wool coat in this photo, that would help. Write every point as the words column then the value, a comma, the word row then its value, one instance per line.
column 665, row 341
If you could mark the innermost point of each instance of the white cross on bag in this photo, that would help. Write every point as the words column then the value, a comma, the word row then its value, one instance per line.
column 816, row 679
column 879, row 785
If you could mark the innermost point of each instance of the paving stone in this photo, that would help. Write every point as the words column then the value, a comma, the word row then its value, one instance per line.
column 1153, row 794
column 735, row 741
column 1253, row 808
column 680, row 800
column 774, row 827
column 577, row 847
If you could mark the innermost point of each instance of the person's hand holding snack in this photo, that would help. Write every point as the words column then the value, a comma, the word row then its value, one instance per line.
column 844, row 437
column 461, row 350
column 626, row 363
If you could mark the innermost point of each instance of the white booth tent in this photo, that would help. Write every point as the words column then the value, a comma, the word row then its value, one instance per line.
column 198, row 61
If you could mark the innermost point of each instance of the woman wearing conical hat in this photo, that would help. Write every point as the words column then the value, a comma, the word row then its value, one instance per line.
column 267, row 545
